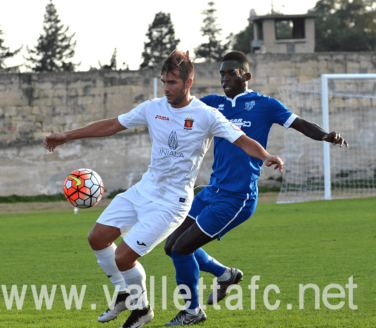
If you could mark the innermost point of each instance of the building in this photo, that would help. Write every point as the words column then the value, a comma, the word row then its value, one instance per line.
column 279, row 33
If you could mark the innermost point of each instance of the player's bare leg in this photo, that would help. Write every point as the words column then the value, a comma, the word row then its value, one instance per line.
column 170, row 242
column 102, row 236
column 206, row 262
column 101, row 239
column 135, row 278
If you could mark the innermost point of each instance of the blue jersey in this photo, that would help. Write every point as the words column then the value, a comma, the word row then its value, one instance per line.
column 254, row 113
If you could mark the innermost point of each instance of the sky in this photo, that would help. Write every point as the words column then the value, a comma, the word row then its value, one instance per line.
column 102, row 26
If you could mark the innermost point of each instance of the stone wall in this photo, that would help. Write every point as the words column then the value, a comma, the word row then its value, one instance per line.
column 34, row 105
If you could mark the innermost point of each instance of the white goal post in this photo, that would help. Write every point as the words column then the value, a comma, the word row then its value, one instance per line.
column 342, row 102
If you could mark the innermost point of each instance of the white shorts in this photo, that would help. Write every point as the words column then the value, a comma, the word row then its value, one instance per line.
column 143, row 223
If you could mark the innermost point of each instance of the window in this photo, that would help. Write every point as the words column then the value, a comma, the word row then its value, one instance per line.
column 260, row 34
column 289, row 29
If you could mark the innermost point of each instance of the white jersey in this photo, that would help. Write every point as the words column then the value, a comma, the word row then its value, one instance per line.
column 180, row 138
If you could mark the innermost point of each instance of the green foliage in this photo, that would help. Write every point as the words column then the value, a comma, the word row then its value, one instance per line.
column 268, row 189
column 283, row 29
column 213, row 50
column 345, row 174
column 54, row 48
column 5, row 52
column 260, row 188
column 113, row 63
column 162, row 42
column 344, row 25
column 115, row 192
column 31, row 199
column 242, row 40
column 317, row 243
column 318, row 184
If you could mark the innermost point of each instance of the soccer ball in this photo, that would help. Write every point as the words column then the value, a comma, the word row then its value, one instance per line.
column 83, row 188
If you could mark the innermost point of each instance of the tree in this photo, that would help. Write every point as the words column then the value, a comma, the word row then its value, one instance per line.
column 113, row 63
column 213, row 50
column 162, row 42
column 242, row 40
column 5, row 52
column 54, row 48
column 344, row 25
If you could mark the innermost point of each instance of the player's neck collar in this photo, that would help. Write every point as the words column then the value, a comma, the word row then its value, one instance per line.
column 233, row 101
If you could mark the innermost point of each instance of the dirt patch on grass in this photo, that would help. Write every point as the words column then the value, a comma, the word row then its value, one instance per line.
column 56, row 206
column 268, row 197
column 48, row 206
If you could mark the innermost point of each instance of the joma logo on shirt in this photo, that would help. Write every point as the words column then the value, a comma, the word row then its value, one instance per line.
column 170, row 153
column 163, row 118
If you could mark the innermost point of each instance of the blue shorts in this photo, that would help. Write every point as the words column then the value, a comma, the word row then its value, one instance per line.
column 217, row 211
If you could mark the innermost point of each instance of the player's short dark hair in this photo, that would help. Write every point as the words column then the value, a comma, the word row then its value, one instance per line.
column 240, row 57
column 179, row 60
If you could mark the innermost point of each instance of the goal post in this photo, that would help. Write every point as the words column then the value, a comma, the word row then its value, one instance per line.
column 342, row 102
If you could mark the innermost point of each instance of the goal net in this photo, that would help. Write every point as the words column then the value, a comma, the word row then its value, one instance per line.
column 318, row 170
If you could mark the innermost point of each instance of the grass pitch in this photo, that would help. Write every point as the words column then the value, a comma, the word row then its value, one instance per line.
column 286, row 245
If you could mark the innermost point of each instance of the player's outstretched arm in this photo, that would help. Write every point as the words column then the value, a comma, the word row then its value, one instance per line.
column 254, row 149
column 316, row 132
column 103, row 128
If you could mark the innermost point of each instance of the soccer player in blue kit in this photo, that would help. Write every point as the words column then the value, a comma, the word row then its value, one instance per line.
column 231, row 196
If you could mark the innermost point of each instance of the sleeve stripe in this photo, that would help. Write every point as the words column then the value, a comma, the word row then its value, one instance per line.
column 290, row 120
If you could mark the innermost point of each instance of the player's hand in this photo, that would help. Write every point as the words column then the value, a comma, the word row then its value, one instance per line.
column 54, row 140
column 335, row 138
column 274, row 160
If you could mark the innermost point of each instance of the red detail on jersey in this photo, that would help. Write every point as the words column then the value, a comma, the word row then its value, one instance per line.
column 235, row 127
column 163, row 118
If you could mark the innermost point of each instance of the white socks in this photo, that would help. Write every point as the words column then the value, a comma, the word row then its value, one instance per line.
column 193, row 311
column 106, row 259
column 225, row 276
column 136, row 277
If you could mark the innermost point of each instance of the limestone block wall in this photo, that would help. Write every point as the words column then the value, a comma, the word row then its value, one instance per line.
column 34, row 105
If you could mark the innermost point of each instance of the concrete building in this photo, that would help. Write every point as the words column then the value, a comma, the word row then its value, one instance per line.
column 279, row 33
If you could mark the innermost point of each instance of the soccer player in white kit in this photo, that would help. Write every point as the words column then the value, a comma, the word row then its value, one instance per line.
column 181, row 129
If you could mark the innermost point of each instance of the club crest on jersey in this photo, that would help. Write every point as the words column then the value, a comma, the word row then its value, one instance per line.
column 249, row 106
column 188, row 125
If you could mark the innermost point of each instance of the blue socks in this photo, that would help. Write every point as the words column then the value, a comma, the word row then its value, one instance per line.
column 187, row 273
column 208, row 263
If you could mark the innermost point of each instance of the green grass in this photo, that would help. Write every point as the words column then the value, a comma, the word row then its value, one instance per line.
column 286, row 245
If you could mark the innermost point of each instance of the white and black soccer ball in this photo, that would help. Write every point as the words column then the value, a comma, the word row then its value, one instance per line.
column 83, row 188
